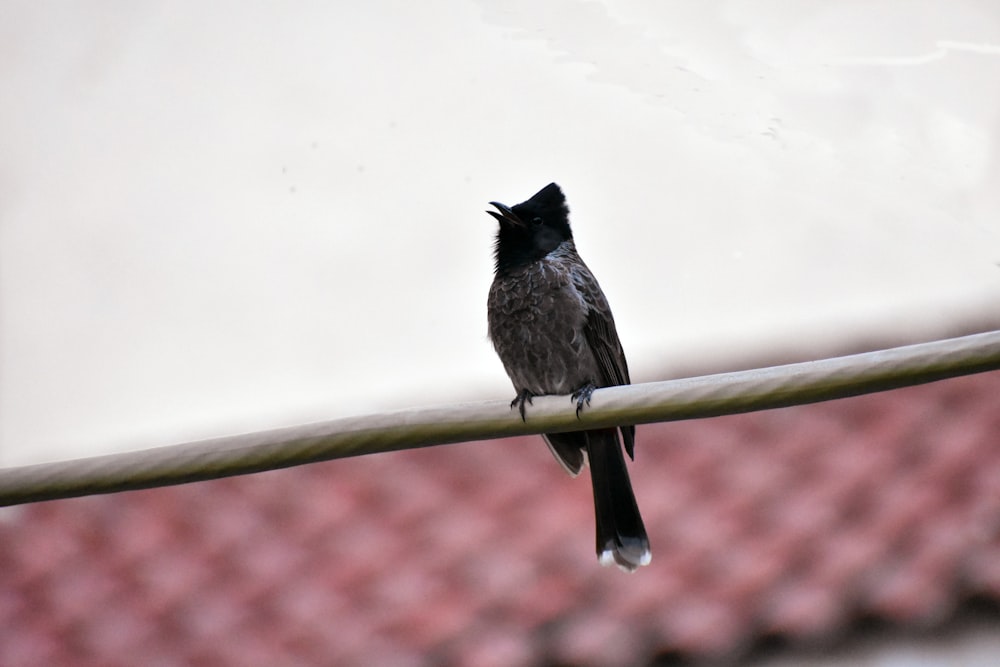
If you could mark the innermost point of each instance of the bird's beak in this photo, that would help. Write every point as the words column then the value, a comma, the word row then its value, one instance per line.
column 505, row 214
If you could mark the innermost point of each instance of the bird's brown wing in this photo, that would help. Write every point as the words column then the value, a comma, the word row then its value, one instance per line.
column 602, row 338
column 603, row 341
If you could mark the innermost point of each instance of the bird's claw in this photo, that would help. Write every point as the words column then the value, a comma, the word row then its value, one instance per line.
column 524, row 396
column 581, row 396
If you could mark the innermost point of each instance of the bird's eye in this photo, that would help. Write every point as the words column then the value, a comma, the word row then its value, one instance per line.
column 536, row 221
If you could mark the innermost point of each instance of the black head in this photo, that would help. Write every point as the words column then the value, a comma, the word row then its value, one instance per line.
column 532, row 229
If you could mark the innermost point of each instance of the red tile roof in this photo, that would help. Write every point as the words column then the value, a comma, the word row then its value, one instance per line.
column 790, row 522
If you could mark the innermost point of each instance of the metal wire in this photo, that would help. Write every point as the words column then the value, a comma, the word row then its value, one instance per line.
column 690, row 398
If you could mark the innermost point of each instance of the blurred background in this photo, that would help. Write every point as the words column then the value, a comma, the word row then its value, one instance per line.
column 226, row 218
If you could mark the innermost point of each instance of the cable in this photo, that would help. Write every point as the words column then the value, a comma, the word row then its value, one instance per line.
column 689, row 398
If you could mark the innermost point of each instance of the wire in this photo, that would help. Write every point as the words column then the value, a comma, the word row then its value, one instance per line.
column 689, row 398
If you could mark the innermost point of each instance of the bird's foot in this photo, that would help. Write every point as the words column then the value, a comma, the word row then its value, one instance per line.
column 523, row 396
column 581, row 396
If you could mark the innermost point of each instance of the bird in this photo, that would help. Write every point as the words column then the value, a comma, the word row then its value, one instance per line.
column 551, row 326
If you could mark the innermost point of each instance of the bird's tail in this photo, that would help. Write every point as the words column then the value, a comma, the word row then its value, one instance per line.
column 621, row 537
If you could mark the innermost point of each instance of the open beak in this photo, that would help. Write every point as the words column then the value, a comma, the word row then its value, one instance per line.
column 505, row 214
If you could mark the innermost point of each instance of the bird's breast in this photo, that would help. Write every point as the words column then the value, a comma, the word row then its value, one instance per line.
column 536, row 320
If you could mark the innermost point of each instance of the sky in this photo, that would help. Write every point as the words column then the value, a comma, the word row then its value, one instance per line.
column 219, row 219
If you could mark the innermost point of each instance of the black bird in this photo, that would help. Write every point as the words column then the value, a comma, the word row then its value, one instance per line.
column 552, row 328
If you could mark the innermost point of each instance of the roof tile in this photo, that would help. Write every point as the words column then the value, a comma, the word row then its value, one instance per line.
column 788, row 522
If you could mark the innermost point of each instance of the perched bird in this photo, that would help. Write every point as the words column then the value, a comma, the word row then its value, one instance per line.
column 552, row 328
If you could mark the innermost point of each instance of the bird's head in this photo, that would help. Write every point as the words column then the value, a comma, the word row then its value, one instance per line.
column 532, row 229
